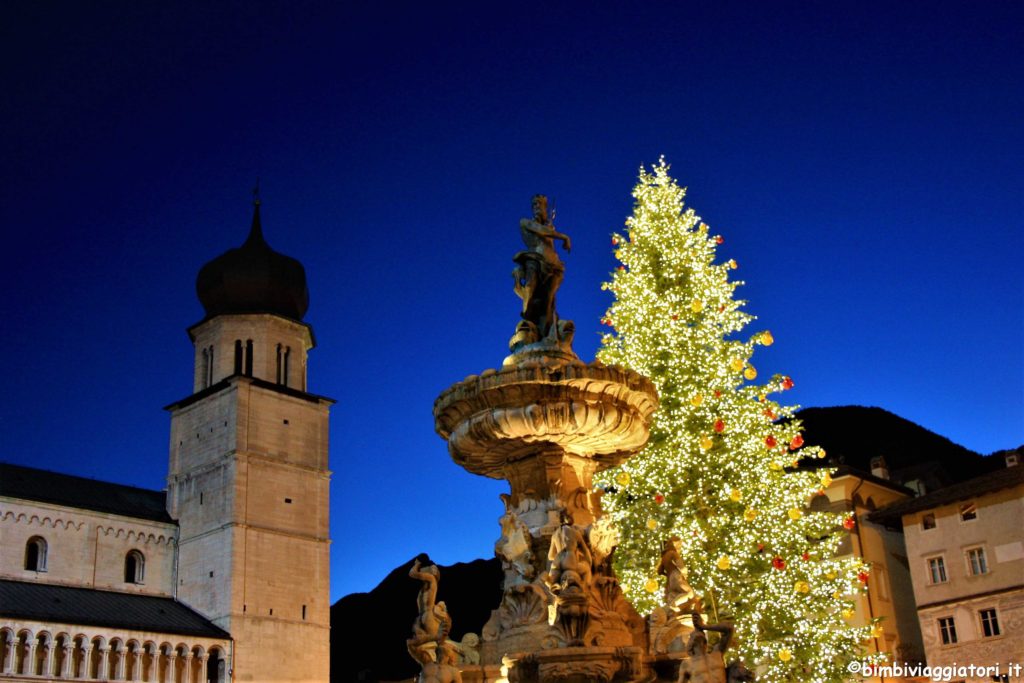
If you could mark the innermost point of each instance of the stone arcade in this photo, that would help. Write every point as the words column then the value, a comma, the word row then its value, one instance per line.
column 225, row 576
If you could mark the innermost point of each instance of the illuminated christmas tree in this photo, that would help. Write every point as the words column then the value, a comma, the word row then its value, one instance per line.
column 720, row 471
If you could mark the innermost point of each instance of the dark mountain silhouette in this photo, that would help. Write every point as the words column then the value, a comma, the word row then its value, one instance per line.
column 369, row 630
column 853, row 435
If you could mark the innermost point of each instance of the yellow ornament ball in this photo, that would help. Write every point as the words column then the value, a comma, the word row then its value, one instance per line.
column 736, row 495
column 697, row 306
column 795, row 514
column 767, row 339
column 651, row 586
column 622, row 479
column 724, row 562
column 736, row 364
column 696, row 400
column 732, row 264
column 837, row 596
column 847, row 614
column 830, row 576
column 802, row 587
column 652, row 524
column 750, row 372
column 826, row 480
column 750, row 515
column 785, row 655
column 876, row 631
column 775, row 465
column 706, row 443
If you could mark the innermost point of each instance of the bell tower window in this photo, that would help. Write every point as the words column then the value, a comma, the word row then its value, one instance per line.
column 248, row 358
column 35, row 554
column 134, row 567
column 238, row 356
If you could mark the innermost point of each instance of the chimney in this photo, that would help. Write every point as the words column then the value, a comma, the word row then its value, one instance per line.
column 879, row 468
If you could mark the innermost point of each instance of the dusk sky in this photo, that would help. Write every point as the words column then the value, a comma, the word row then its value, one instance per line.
column 863, row 161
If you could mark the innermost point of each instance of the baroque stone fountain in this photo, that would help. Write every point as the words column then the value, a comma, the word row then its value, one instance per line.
column 547, row 422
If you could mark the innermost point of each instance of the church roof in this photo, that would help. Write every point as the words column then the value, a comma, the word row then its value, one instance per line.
column 91, row 607
column 28, row 483
column 253, row 278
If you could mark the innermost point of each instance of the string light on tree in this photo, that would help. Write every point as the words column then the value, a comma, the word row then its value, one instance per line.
column 753, row 549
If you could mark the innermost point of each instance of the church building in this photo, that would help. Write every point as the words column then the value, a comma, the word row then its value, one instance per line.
column 224, row 575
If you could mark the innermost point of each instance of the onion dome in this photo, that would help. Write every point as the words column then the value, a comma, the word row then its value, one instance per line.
column 253, row 278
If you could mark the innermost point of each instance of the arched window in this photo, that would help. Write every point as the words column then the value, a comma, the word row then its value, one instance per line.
column 248, row 358
column 35, row 554
column 280, row 357
column 134, row 567
column 238, row 356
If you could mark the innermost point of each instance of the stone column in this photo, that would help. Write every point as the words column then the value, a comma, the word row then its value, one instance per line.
column 187, row 677
column 69, row 657
column 86, row 660
column 103, row 666
column 10, row 653
column 202, row 667
column 138, row 654
column 172, row 660
column 30, row 659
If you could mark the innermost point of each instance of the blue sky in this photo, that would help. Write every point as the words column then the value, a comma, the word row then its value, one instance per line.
column 862, row 160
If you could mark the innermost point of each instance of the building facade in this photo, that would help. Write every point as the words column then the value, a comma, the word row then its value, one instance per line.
column 225, row 575
column 965, row 544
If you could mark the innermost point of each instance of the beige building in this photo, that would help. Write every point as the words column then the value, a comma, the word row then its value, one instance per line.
column 889, row 595
column 225, row 575
column 966, row 548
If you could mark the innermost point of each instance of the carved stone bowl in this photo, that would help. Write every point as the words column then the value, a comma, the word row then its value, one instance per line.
column 501, row 416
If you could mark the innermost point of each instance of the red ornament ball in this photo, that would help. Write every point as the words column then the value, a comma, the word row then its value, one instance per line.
column 797, row 442
column 622, row 267
column 659, row 499
column 719, row 426
column 778, row 563
column 787, row 382
column 849, row 523
column 770, row 442
column 806, row 556
column 718, row 394
column 719, row 239
column 863, row 577
column 675, row 317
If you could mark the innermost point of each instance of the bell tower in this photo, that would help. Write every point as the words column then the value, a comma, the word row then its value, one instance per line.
column 248, row 479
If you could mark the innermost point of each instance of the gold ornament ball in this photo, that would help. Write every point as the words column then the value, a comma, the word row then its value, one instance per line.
column 724, row 562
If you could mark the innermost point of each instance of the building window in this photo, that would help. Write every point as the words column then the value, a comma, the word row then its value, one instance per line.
column 35, row 554
column 279, row 359
column 880, row 582
column 206, row 369
column 287, row 362
column 989, row 623
column 968, row 511
column 947, row 630
column 936, row 570
column 977, row 564
column 134, row 567
column 238, row 356
column 248, row 358
column 209, row 373
column 928, row 521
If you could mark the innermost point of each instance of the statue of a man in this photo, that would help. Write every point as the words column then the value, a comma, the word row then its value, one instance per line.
column 433, row 622
column 679, row 596
column 539, row 271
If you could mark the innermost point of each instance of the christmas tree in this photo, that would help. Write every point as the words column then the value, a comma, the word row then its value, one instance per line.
column 720, row 471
